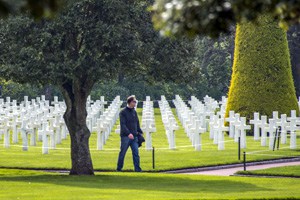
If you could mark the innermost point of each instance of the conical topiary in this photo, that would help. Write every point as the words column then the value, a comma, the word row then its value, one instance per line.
column 261, row 76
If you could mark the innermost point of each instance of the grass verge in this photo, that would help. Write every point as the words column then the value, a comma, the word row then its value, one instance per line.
column 22, row 184
column 288, row 171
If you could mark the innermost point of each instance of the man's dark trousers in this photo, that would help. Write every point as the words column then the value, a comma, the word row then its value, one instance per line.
column 133, row 144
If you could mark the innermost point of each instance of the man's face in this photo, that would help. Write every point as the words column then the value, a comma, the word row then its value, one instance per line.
column 132, row 103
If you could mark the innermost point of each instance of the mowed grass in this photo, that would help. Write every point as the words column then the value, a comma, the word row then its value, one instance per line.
column 289, row 171
column 183, row 157
column 22, row 184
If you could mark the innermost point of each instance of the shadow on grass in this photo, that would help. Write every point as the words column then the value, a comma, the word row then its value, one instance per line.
column 140, row 182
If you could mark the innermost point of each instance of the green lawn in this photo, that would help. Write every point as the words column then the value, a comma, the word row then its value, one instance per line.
column 22, row 184
column 183, row 157
column 290, row 171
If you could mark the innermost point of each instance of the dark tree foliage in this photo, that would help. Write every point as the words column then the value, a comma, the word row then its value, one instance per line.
column 36, row 8
column 212, row 17
column 89, row 42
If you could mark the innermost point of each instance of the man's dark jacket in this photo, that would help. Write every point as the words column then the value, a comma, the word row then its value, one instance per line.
column 129, row 122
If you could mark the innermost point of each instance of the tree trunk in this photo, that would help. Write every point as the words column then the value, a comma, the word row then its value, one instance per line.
column 75, row 118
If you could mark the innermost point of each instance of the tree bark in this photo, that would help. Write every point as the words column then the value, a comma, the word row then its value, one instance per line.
column 75, row 95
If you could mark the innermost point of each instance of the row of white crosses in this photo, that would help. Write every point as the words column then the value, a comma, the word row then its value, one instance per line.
column 190, row 122
column 201, row 111
column 169, row 121
column 39, row 120
column 35, row 118
column 238, row 128
column 210, row 119
column 205, row 110
column 264, row 128
column 94, row 110
column 106, row 121
column 148, row 122
column 217, row 130
column 223, row 104
column 216, row 120
column 287, row 124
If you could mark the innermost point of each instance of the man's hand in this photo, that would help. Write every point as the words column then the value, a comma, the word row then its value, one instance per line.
column 131, row 136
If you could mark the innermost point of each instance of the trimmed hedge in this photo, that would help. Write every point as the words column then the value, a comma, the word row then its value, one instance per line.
column 262, row 77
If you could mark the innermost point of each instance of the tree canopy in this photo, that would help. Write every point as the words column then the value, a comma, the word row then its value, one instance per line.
column 212, row 17
column 36, row 8
column 88, row 42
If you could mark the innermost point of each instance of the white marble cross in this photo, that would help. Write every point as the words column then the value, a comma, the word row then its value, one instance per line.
column 45, row 132
column 220, row 129
column 63, row 128
column 237, row 123
column 14, row 127
column 55, row 101
column 43, row 98
column 33, row 127
column 272, row 130
column 197, row 132
column 264, row 126
column 276, row 117
column 100, row 136
column 148, row 122
column 215, row 131
column 243, row 127
column 4, row 129
column 283, row 125
column 231, row 119
column 103, row 103
column 55, row 126
column 256, row 123
column 148, row 129
column 172, row 127
column 294, row 121
column 25, row 131
column 213, row 121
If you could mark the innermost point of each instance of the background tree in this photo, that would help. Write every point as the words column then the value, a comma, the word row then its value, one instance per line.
column 294, row 46
column 36, row 8
column 86, row 43
column 212, row 17
column 206, row 82
column 209, row 58
column 215, row 65
column 89, row 42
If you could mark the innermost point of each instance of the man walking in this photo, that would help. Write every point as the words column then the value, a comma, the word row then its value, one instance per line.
column 130, row 128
